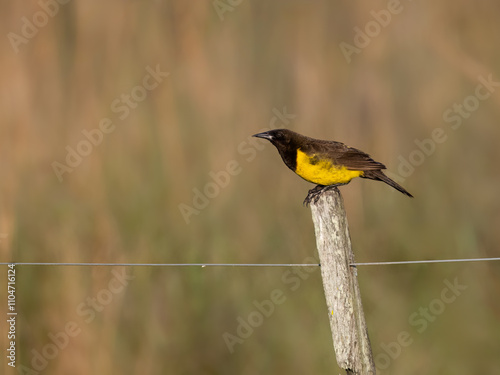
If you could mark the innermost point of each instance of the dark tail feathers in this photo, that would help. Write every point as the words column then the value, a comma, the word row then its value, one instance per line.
column 378, row 175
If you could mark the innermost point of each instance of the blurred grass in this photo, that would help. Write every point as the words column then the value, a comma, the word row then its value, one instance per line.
column 226, row 78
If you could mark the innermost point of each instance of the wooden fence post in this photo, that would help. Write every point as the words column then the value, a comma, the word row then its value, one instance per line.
column 345, row 310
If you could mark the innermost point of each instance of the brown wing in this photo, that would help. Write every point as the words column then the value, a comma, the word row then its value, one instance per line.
column 341, row 154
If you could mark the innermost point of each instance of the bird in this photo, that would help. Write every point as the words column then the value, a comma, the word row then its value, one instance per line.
column 327, row 164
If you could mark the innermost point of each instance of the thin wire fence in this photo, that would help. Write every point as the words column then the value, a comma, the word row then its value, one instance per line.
column 203, row 265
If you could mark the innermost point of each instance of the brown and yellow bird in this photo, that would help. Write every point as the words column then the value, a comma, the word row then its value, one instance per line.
column 325, row 163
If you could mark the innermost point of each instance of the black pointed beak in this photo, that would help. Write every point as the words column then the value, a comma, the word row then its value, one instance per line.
column 264, row 135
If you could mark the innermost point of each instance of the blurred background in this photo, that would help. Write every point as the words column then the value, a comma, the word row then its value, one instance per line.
column 124, row 137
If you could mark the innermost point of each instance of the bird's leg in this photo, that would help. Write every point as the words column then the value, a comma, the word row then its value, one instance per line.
column 315, row 192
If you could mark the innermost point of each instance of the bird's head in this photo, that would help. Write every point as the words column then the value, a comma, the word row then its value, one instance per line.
column 286, row 142
column 278, row 137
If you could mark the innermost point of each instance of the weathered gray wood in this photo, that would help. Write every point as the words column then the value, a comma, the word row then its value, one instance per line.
column 343, row 299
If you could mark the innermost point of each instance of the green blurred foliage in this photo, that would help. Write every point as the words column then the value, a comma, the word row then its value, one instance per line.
column 232, row 70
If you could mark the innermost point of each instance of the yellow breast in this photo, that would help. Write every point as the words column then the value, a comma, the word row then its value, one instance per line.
column 322, row 172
